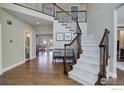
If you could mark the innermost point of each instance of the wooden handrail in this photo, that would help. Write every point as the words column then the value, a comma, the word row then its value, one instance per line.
column 61, row 9
column 79, row 27
column 76, row 38
column 72, row 41
column 106, row 32
column 71, row 11
column 65, row 50
column 78, row 34
column 104, row 56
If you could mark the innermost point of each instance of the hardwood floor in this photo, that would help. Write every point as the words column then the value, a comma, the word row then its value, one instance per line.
column 40, row 71
column 119, row 81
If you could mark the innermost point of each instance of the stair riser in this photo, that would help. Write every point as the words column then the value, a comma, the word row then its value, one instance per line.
column 78, row 80
column 87, row 42
column 87, row 37
column 87, row 68
column 91, row 52
column 92, row 59
column 94, row 69
column 89, row 77
column 88, row 73
column 90, row 47
column 88, row 62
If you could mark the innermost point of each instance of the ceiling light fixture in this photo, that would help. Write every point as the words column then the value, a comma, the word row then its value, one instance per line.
column 28, row 35
column 37, row 22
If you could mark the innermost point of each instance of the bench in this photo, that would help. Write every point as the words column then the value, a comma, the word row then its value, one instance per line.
column 59, row 54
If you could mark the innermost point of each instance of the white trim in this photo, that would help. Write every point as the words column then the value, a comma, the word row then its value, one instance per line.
column 1, row 73
column 108, row 70
column 30, row 44
column 13, row 66
column 113, row 75
column 113, row 72
column 31, row 40
column 32, row 57
column 0, row 50
column 24, row 45
column 26, row 60
column 120, row 25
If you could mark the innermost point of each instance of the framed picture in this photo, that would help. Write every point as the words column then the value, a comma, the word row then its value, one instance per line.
column 59, row 36
column 68, row 36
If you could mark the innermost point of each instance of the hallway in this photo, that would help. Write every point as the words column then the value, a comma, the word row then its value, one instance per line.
column 40, row 71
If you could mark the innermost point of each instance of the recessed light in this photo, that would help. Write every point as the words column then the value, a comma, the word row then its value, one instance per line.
column 37, row 22
column 28, row 35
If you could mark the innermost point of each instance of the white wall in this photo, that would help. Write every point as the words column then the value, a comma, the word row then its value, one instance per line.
column 120, row 15
column 13, row 52
column 58, row 27
column 26, row 11
column 0, row 52
column 0, row 45
column 83, row 27
column 45, row 29
column 101, row 16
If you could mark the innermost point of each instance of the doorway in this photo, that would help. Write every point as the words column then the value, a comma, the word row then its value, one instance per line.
column 120, row 48
column 118, row 22
column 0, row 50
column 44, row 48
column 27, row 45
column 44, row 42
column 120, row 44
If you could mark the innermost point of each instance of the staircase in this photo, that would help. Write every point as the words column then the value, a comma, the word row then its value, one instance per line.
column 87, row 68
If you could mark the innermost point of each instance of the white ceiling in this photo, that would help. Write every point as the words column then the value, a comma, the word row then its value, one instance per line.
column 30, row 19
column 120, row 15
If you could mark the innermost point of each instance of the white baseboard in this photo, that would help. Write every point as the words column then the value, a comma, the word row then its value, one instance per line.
column 12, row 66
column 113, row 75
column 32, row 57
column 1, row 73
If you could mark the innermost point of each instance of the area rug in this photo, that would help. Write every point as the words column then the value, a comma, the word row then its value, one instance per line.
column 120, row 65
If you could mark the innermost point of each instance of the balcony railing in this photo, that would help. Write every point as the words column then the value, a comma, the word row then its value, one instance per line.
column 52, row 10
column 46, row 8
column 66, row 18
column 81, row 16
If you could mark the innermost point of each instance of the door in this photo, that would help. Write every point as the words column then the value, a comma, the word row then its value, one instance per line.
column 121, row 44
column 74, row 13
column 0, row 51
column 27, row 45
